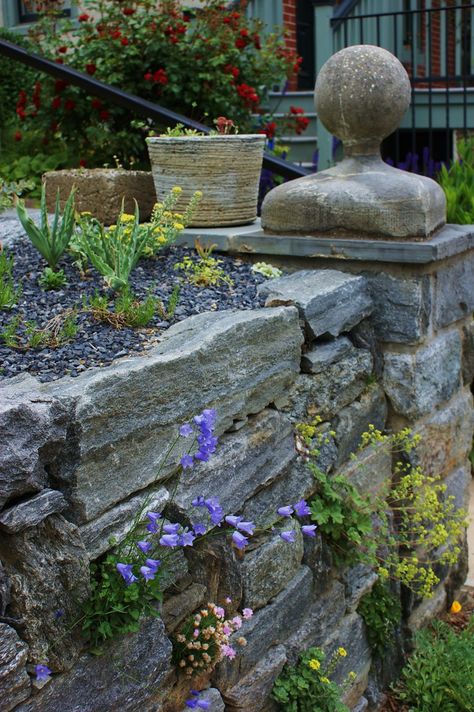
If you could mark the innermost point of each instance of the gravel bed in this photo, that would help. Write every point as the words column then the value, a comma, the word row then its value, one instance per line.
column 97, row 343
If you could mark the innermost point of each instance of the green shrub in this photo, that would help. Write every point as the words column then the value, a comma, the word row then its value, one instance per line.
column 439, row 674
column 381, row 612
column 14, row 75
column 458, row 185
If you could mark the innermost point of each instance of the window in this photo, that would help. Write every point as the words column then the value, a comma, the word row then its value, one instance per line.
column 18, row 14
column 26, row 10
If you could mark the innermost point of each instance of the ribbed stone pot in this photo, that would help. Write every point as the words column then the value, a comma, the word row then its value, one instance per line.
column 225, row 168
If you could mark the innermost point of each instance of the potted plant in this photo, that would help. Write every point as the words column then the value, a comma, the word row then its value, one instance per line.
column 224, row 166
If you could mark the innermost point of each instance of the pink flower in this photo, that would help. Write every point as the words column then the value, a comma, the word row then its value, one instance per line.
column 237, row 622
column 220, row 613
column 196, row 633
column 228, row 651
column 227, row 630
column 247, row 613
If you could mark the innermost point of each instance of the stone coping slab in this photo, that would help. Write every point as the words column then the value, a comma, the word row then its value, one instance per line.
column 251, row 239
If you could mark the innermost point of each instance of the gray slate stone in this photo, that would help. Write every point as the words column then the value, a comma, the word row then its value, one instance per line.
column 428, row 609
column 116, row 522
column 402, row 306
column 361, row 706
column 325, row 353
column 251, row 693
column 327, row 392
column 33, row 428
column 319, row 623
column 329, row 301
column 15, row 683
column 4, row 590
column 244, row 462
column 446, row 437
column 125, row 416
column 453, row 292
column 269, row 568
column 458, row 486
column 178, row 607
column 213, row 563
column 32, row 512
column 213, row 696
column 468, row 353
column 358, row 581
column 418, row 382
column 49, row 572
column 133, row 675
column 352, row 421
column 370, row 469
column 270, row 626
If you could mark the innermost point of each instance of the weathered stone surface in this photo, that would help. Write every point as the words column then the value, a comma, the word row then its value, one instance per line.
column 33, row 428
column 116, row 523
column 250, row 694
column 350, row 634
column 453, row 293
column 294, row 483
column 4, row 590
column 269, row 626
column 213, row 696
column 100, row 191
column 319, row 623
column 468, row 354
column 213, row 563
column 446, row 437
column 125, row 415
column 402, row 306
column 15, row 683
column 328, row 301
column 244, row 462
column 327, row 392
column 428, row 609
column 370, row 469
column 361, row 706
column 32, row 512
column 178, row 607
column 352, row 421
column 133, row 675
column 363, row 336
column 318, row 556
column 417, row 382
column 269, row 568
column 325, row 353
column 457, row 486
column 48, row 570
column 358, row 581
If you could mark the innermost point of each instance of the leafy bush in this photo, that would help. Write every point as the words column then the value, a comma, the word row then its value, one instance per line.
column 439, row 675
column 13, row 75
column 457, row 182
column 147, row 48
column 380, row 610
column 9, row 294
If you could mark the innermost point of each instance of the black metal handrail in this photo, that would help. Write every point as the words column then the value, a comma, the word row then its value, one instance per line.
column 335, row 20
column 135, row 104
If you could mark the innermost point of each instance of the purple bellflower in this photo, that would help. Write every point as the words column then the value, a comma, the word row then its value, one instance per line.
column 309, row 529
column 126, row 572
column 42, row 672
column 239, row 540
column 169, row 540
column 301, row 508
column 144, row 546
column 289, row 536
column 285, row 511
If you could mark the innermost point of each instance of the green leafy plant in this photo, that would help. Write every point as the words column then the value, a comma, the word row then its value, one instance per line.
column 9, row 294
column 28, row 335
column 51, row 280
column 167, row 312
column 9, row 192
column 307, row 687
column 267, row 270
column 381, row 612
column 457, row 182
column 50, row 241
column 439, row 674
column 204, row 270
column 127, row 311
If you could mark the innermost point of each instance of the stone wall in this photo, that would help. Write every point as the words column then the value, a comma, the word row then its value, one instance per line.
column 79, row 457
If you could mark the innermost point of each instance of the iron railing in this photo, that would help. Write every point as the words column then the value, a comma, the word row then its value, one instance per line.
column 436, row 46
column 135, row 104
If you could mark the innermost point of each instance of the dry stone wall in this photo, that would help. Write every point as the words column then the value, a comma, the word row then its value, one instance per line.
column 79, row 457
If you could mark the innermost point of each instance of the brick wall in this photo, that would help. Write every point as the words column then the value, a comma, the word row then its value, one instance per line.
column 289, row 23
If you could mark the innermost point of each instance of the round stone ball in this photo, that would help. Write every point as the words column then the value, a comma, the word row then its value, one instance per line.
column 361, row 95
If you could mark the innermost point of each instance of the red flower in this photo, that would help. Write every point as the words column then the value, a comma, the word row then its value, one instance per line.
column 21, row 113
column 244, row 32
column 128, row 11
column 82, row 163
column 91, row 69
column 240, row 43
column 116, row 34
column 236, row 15
column 226, row 20
column 84, row 17
column 124, row 41
column 296, row 110
column 256, row 41
column 56, row 103
column 59, row 60
column 104, row 115
column 160, row 76
column 302, row 124
column 62, row 49
column 69, row 104
column 60, row 85
column 148, row 77
column 96, row 103
column 270, row 129
column 248, row 94
column 18, row 136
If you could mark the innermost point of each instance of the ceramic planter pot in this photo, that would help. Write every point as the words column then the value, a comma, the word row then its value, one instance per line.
column 225, row 168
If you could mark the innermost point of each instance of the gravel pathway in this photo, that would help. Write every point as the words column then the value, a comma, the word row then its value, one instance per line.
column 97, row 343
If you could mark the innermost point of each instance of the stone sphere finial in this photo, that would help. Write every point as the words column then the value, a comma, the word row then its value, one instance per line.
column 361, row 95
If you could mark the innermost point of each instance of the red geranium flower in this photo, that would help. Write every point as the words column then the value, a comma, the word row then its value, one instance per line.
column 91, row 69
column 56, row 103
column 62, row 49
column 116, row 34
column 148, row 77
column 60, row 85
column 128, row 11
column 82, row 163
column 84, row 17
column 240, row 43
column 69, row 104
column 124, row 41
column 160, row 76
column 296, row 110
column 96, row 103
column 18, row 136
column 104, row 115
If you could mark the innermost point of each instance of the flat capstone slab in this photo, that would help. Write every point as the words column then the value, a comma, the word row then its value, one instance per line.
column 329, row 301
column 447, row 242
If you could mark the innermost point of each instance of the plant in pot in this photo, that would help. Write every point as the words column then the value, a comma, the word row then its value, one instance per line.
column 224, row 165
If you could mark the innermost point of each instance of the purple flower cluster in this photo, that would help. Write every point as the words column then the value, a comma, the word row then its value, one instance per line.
column 196, row 703
column 42, row 672
column 301, row 509
column 203, row 427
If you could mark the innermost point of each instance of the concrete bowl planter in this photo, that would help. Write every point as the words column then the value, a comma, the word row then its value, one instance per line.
column 225, row 168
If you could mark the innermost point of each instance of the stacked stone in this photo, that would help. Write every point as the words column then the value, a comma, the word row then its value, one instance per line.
column 82, row 454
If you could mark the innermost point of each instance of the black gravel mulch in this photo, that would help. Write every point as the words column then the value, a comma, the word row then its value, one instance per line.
column 97, row 343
